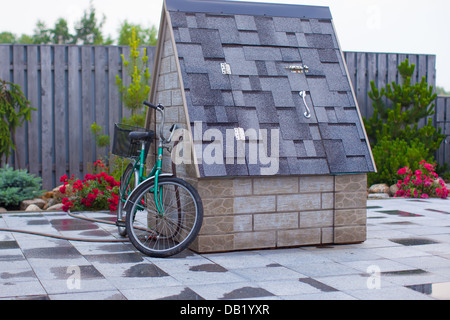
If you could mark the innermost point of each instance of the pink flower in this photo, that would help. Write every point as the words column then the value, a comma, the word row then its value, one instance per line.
column 402, row 171
column 424, row 196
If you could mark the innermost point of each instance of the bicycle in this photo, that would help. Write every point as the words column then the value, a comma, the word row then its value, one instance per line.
column 163, row 214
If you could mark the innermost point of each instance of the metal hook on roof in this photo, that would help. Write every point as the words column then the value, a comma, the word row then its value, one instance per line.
column 307, row 114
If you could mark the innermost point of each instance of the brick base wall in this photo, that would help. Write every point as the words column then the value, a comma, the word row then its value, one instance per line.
column 275, row 212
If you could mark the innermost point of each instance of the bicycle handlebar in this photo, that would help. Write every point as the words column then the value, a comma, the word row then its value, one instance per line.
column 159, row 106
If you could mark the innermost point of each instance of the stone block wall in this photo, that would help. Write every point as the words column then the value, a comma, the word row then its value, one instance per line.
column 276, row 212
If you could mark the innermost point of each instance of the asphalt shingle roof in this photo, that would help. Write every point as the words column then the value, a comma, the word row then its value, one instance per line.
column 260, row 42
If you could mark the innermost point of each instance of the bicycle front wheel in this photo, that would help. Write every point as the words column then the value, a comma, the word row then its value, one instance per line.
column 127, row 184
column 168, row 226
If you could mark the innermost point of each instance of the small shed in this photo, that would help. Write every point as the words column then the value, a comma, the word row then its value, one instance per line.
column 279, row 153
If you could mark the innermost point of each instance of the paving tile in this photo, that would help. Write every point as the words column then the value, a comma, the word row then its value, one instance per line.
column 21, row 288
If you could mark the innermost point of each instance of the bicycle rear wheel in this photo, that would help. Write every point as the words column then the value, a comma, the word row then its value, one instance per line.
column 162, row 234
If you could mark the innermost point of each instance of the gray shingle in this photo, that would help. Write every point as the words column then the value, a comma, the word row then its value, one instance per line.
column 320, row 41
column 287, row 24
column 239, row 66
column 248, row 38
column 262, row 53
column 200, row 91
column 210, row 41
column 226, row 26
column 245, row 22
column 280, row 89
column 266, row 30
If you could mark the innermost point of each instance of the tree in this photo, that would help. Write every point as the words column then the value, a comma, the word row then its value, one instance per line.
column 14, row 110
column 60, row 33
column 136, row 67
column 89, row 30
column 393, row 129
column 42, row 34
column 145, row 36
column 7, row 37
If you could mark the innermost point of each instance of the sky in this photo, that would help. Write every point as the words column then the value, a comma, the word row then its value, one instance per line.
column 397, row 26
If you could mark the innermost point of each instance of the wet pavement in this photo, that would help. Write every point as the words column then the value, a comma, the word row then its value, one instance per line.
column 406, row 257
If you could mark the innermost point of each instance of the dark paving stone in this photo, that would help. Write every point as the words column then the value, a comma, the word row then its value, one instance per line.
column 53, row 253
column 439, row 211
column 400, row 213
column 404, row 272
column 413, row 241
column 86, row 272
column 186, row 294
column 435, row 290
column 72, row 225
column 317, row 284
column 115, row 258
column 8, row 245
column 41, row 222
column 247, row 292
column 22, row 274
column 209, row 267
column 145, row 270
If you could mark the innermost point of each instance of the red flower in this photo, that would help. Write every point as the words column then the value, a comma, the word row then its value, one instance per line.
column 62, row 189
column 63, row 178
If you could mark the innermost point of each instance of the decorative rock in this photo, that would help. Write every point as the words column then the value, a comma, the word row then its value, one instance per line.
column 379, row 196
column 393, row 190
column 2, row 210
column 379, row 188
column 40, row 203
column 33, row 207
column 56, row 207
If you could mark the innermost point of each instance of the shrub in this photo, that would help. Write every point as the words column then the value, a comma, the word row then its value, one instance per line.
column 396, row 111
column 16, row 186
column 422, row 183
column 98, row 191
column 391, row 154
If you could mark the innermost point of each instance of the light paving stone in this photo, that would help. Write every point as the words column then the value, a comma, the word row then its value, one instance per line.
column 21, row 288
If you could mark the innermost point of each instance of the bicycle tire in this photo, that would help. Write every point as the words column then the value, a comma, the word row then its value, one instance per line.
column 122, row 191
column 167, row 235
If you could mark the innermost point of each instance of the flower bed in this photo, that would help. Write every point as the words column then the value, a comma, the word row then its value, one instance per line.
column 95, row 192
column 424, row 183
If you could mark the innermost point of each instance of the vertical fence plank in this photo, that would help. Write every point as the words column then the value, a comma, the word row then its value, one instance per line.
column 126, row 79
column 4, row 72
column 361, row 82
column 101, row 107
column 47, row 118
column 87, row 118
column 33, row 125
column 4, row 62
column 74, row 92
column 114, row 102
column 20, row 133
column 60, row 111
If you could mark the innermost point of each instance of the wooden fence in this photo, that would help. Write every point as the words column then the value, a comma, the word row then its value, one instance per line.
column 74, row 86
column 71, row 87
column 443, row 122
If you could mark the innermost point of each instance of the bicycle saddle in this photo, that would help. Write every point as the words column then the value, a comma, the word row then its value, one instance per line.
column 141, row 136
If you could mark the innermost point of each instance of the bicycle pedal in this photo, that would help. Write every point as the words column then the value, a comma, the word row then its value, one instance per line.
column 121, row 223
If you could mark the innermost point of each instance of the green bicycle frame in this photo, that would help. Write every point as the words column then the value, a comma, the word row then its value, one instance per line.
column 139, row 166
